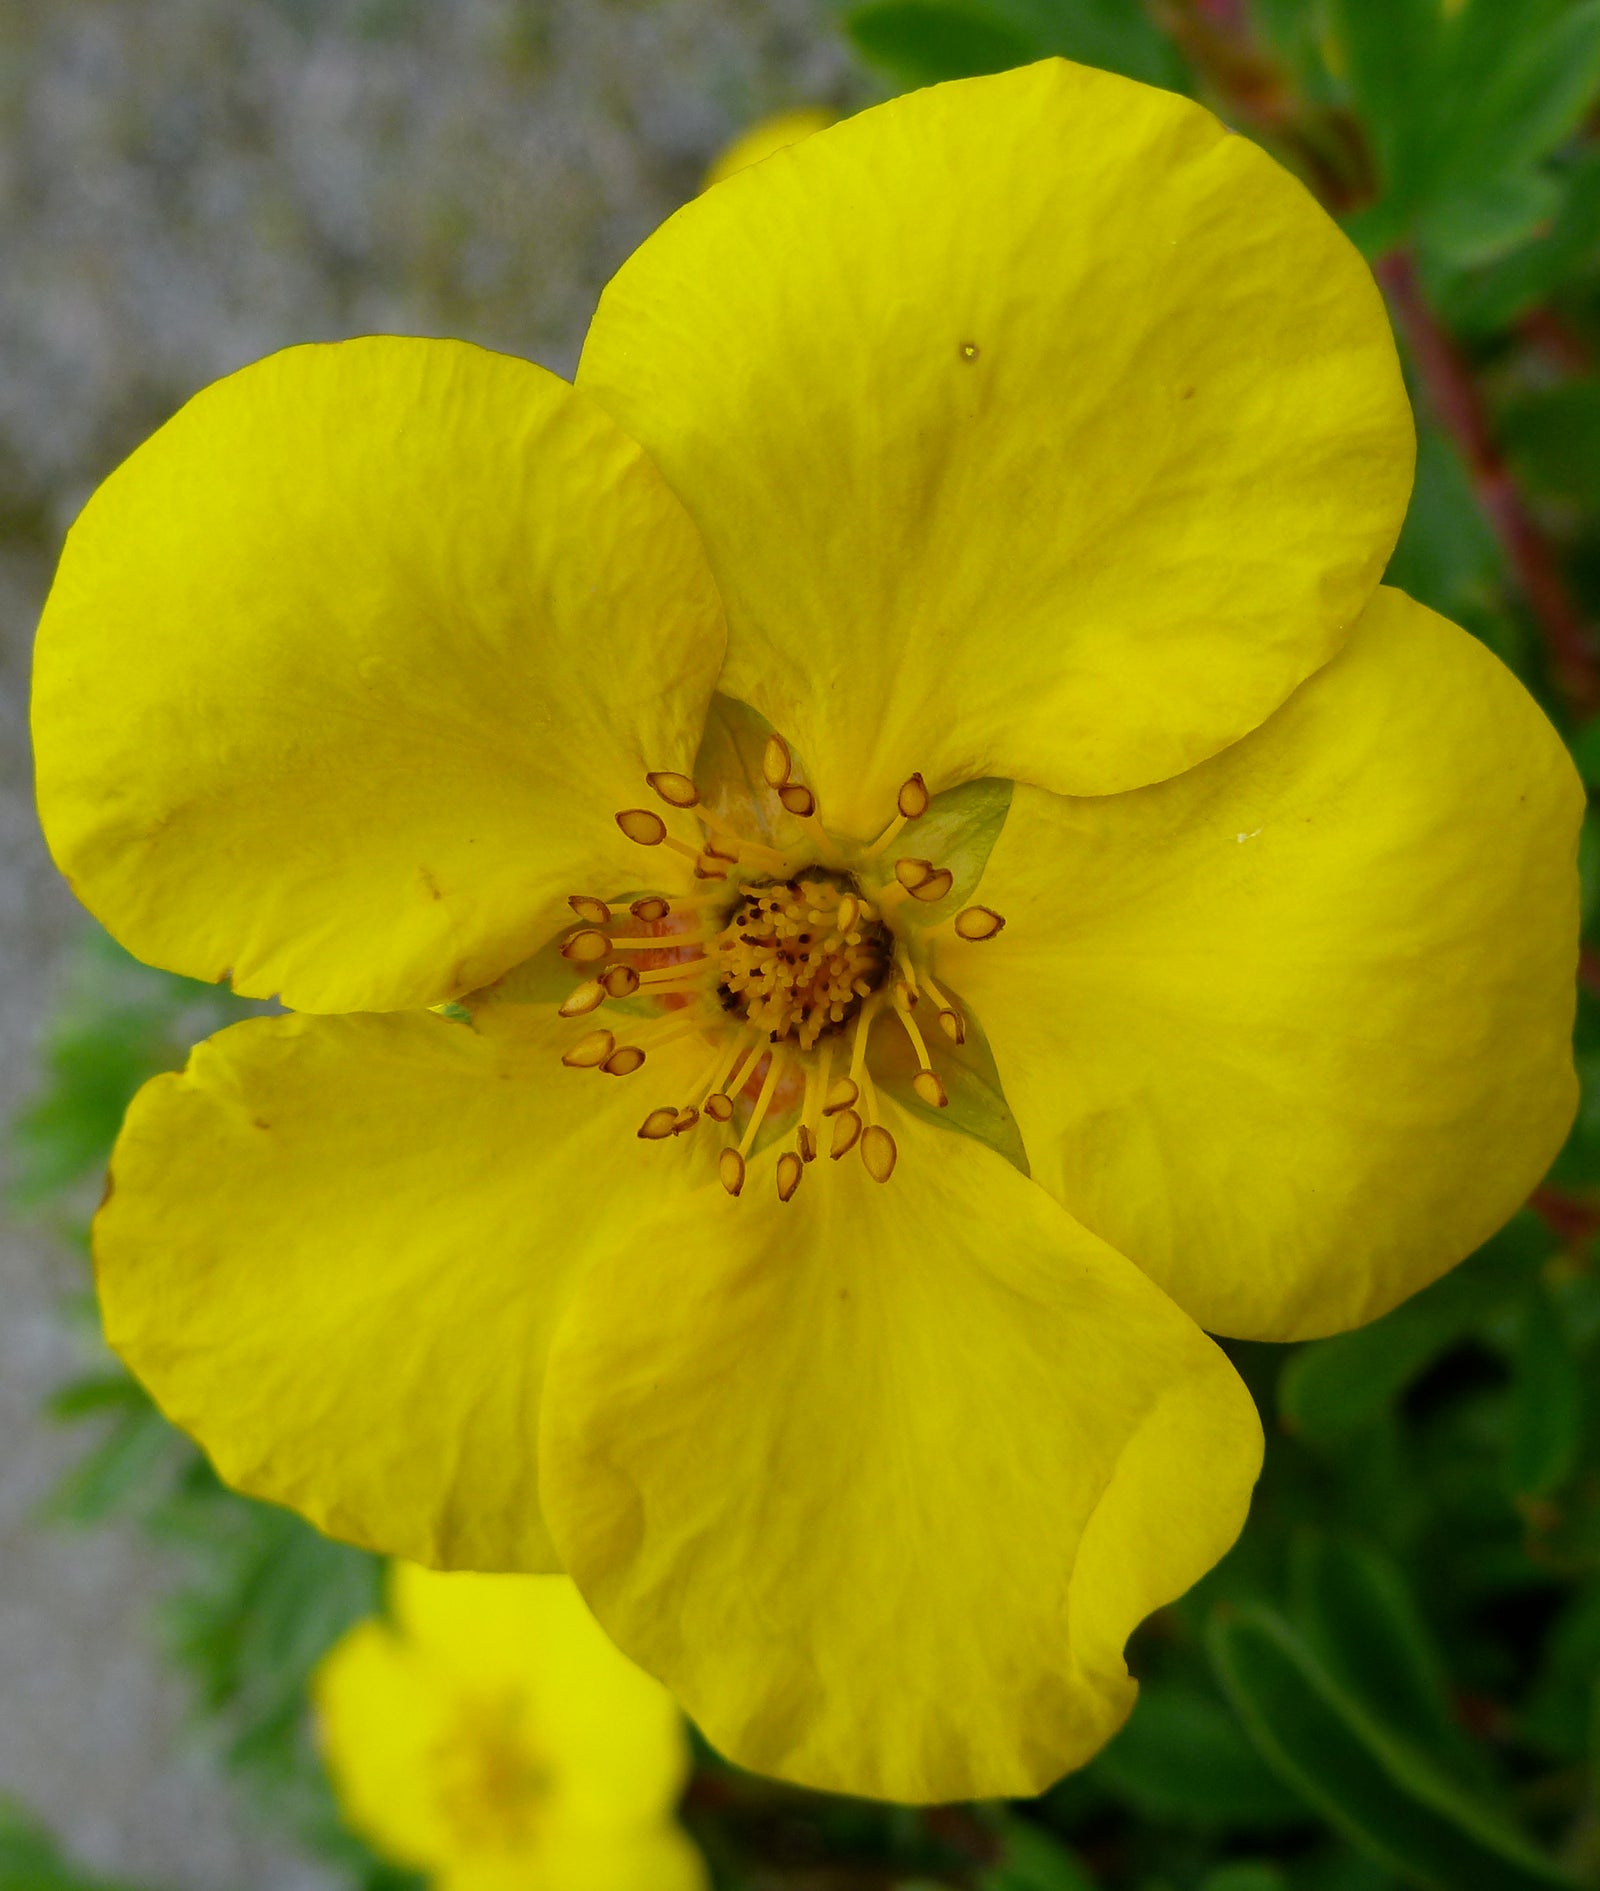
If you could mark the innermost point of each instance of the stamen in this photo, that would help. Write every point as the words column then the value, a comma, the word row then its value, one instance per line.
column 846, row 1133
column 584, row 947
column 763, row 1102
column 620, row 981
column 623, row 1061
column 858, row 1050
column 658, row 1125
column 655, row 941
column 746, row 851
column 841, row 1096
column 878, row 1152
column 686, row 1120
column 798, row 799
column 590, row 1052
column 925, row 1082
column 586, row 997
column 641, row 825
column 911, row 872
column 719, row 1107
column 730, row 1170
column 775, row 762
column 592, row 912
column 650, row 909
column 951, row 1021
column 805, row 1142
column 935, row 887
column 978, row 922
column 911, row 802
column 790, row 1170
column 678, row 791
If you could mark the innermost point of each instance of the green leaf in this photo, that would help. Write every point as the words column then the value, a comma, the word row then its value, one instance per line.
column 1119, row 35
column 1183, row 1760
column 1488, row 300
column 1362, row 1619
column 920, row 42
column 1547, row 1402
column 1246, row 1875
column 1332, row 1388
column 1477, row 225
column 1388, row 50
column 1033, row 1861
column 1364, row 1779
column 1519, row 80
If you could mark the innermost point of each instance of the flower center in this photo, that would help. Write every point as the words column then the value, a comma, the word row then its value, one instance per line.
column 779, row 957
column 797, row 958
column 488, row 1786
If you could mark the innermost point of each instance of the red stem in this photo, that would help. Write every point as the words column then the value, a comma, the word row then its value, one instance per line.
column 1453, row 395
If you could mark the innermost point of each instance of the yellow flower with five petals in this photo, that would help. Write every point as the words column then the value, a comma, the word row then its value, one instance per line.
column 489, row 1734
column 945, row 873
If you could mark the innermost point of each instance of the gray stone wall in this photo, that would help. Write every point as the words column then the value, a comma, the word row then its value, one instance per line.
column 186, row 185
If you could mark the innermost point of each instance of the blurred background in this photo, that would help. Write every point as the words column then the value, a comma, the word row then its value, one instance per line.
column 1393, row 1680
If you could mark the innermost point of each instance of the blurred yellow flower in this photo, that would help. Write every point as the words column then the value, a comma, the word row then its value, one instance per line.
column 948, row 874
column 775, row 133
column 489, row 1735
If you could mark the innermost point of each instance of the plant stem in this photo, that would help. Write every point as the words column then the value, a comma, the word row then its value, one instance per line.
column 1453, row 395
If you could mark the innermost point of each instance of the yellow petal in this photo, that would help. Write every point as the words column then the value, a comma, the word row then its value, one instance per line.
column 517, row 1663
column 1035, row 426
column 1293, row 1030
column 775, row 133
column 879, row 1480
column 347, row 669
column 380, row 1719
column 613, row 1735
column 335, row 1249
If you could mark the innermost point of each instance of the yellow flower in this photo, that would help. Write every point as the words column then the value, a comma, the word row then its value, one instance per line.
column 1031, row 444
column 491, row 1736
column 774, row 133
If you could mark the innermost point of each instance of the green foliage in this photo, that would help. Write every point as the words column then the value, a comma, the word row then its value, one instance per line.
column 30, row 1859
column 919, row 42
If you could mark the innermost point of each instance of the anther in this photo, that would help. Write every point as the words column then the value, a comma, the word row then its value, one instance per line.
column 590, row 1052
column 805, row 1143
column 841, row 1094
column 730, row 1170
column 846, row 1132
column 878, row 1152
column 790, row 1170
column 911, row 872
column 978, row 922
column 583, row 948
column 686, row 1120
column 678, row 791
column 775, row 762
column 927, row 1086
column 640, row 825
column 799, row 800
column 954, row 1026
column 592, row 912
column 935, row 886
column 719, row 1107
column 847, row 915
column 658, row 1125
column 912, row 799
column 619, row 981
column 623, row 1061
column 586, row 997
column 647, row 911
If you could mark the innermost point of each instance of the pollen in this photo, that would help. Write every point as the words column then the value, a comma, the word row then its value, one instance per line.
column 797, row 958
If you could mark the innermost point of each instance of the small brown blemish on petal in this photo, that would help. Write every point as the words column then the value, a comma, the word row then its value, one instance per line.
column 430, row 883
column 969, row 351
column 260, row 1122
